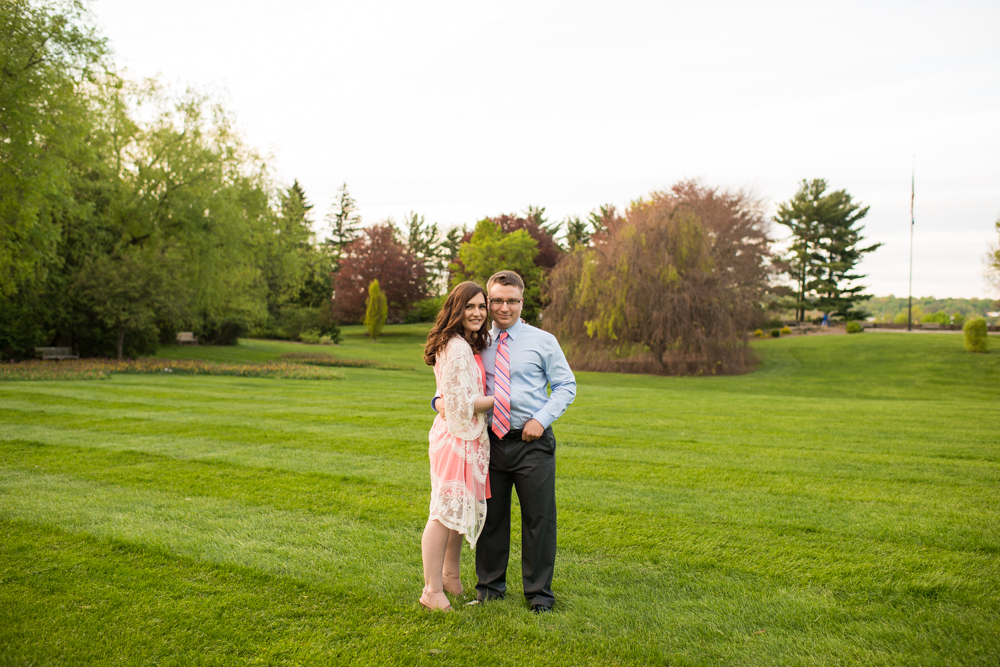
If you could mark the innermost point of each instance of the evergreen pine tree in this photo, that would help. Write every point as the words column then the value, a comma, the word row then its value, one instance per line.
column 576, row 232
column 424, row 243
column 825, row 249
column 345, row 223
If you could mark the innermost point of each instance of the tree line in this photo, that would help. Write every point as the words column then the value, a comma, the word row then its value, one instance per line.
column 129, row 212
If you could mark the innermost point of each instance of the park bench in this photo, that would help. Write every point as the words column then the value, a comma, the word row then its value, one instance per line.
column 186, row 337
column 930, row 325
column 56, row 353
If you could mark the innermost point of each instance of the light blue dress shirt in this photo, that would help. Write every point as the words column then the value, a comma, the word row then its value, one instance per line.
column 536, row 360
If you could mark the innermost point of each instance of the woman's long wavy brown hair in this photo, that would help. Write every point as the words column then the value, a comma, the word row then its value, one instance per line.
column 449, row 322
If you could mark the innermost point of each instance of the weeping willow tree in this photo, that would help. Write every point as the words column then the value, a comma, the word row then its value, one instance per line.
column 671, row 290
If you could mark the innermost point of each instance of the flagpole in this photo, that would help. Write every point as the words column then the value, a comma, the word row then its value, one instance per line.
column 909, row 308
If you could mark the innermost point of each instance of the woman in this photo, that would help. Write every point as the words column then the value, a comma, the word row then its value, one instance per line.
column 459, row 447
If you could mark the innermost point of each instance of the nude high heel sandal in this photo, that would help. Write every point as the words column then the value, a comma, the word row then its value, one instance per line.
column 453, row 584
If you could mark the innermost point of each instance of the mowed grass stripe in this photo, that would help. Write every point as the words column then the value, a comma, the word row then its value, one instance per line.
column 353, row 497
column 342, row 552
column 804, row 500
column 273, row 457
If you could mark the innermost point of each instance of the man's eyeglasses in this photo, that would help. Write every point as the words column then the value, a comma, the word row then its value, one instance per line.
column 509, row 302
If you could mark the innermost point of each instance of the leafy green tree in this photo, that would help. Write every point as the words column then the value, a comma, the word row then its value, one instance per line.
column 671, row 289
column 825, row 249
column 49, row 56
column 490, row 250
column 129, row 292
column 376, row 310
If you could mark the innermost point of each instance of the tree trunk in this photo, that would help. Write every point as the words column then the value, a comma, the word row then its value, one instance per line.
column 121, row 341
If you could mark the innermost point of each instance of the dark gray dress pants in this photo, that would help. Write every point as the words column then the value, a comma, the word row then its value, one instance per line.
column 530, row 469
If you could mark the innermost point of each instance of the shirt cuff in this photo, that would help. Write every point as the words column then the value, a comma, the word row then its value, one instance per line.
column 543, row 418
column 434, row 407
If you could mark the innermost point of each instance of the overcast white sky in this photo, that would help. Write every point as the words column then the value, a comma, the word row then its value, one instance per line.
column 459, row 110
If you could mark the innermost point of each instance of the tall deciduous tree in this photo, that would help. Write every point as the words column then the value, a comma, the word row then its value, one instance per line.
column 825, row 248
column 378, row 255
column 679, row 277
column 49, row 54
column 130, row 291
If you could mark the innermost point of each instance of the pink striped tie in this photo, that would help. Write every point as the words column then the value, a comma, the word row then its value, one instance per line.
column 501, row 388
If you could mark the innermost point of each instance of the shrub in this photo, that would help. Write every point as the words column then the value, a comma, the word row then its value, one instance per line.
column 785, row 331
column 228, row 333
column 758, row 334
column 854, row 327
column 311, row 336
column 376, row 310
column 775, row 333
column 425, row 310
column 975, row 335
column 958, row 320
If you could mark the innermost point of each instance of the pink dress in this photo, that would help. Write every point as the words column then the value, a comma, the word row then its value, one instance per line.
column 460, row 447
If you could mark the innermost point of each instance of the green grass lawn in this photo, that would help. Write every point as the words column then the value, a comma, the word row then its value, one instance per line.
column 841, row 505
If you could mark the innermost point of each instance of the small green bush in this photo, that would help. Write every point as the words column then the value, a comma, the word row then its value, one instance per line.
column 311, row 336
column 775, row 333
column 425, row 310
column 854, row 327
column 958, row 320
column 785, row 331
column 975, row 335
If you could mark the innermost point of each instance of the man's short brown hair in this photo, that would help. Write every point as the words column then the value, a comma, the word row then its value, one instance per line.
column 508, row 278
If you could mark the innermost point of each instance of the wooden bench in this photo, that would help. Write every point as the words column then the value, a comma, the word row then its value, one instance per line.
column 930, row 325
column 186, row 337
column 56, row 353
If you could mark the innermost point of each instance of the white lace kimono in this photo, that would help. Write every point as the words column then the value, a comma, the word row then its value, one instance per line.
column 460, row 447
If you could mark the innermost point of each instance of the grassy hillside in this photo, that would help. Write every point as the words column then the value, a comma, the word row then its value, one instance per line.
column 838, row 506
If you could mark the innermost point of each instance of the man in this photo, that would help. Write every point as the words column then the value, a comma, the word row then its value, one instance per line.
column 520, row 361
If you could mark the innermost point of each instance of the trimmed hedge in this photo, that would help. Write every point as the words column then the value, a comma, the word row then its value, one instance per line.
column 976, row 339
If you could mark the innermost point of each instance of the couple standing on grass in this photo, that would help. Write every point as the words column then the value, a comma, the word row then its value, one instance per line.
column 493, row 432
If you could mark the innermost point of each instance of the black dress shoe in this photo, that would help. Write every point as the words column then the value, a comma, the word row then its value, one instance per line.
column 540, row 608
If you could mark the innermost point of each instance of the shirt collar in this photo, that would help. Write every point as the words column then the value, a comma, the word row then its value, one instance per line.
column 512, row 331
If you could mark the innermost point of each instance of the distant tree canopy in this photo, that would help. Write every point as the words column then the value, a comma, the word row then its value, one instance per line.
column 128, row 212
column 671, row 287
column 826, row 248
column 490, row 249
column 377, row 254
